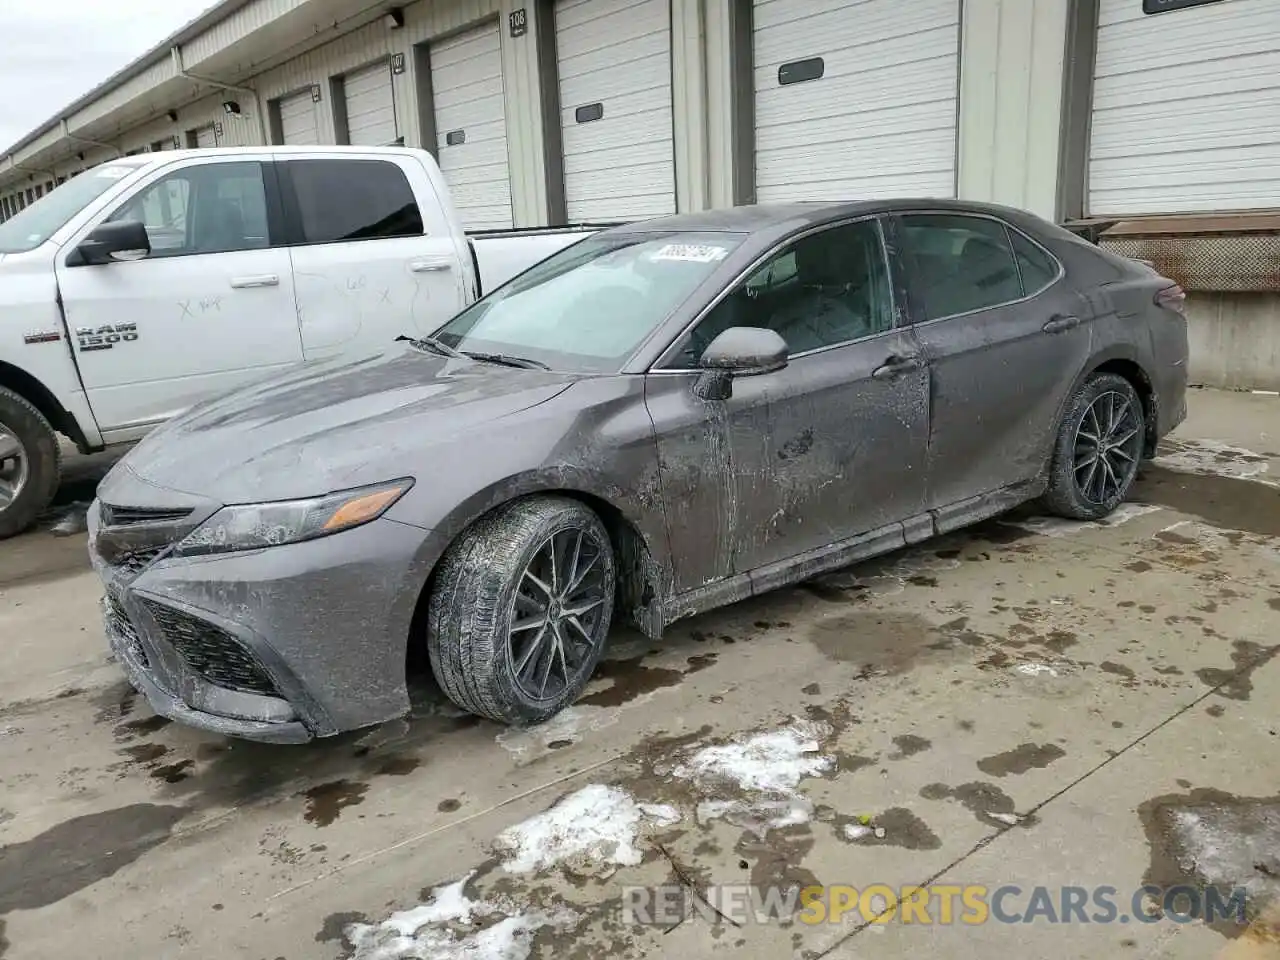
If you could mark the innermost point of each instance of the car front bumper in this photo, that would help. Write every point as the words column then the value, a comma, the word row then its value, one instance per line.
column 280, row 645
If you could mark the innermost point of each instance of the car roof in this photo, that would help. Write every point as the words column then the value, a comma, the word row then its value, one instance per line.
column 772, row 217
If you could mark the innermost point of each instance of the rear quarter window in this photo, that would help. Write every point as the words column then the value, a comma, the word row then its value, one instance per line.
column 1038, row 269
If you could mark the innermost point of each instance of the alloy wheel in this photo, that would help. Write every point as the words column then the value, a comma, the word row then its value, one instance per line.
column 14, row 467
column 1108, row 445
column 556, row 619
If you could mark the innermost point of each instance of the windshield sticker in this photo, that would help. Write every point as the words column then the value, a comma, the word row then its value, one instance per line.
column 114, row 173
column 690, row 253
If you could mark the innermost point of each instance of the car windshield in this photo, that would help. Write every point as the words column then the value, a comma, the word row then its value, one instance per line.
column 35, row 224
column 588, row 307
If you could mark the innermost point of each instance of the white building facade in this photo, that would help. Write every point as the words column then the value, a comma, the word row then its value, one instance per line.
column 1090, row 112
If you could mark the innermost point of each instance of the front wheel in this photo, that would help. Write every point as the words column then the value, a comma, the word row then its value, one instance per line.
column 30, row 463
column 1099, row 444
column 519, row 613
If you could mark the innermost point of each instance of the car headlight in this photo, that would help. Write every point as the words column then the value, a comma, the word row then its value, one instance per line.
column 252, row 526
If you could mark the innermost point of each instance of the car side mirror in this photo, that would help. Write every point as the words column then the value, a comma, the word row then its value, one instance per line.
column 115, row 240
column 738, row 352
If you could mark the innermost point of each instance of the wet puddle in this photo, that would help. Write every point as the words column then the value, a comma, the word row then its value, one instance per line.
column 1209, row 837
column 1221, row 501
column 1021, row 759
column 878, row 641
column 79, row 852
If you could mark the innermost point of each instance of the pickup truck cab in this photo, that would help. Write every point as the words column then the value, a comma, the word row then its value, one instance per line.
column 152, row 282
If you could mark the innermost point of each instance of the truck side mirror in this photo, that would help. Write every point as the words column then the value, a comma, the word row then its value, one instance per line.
column 115, row 240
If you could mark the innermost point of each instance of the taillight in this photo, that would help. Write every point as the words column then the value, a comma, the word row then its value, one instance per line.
column 1172, row 297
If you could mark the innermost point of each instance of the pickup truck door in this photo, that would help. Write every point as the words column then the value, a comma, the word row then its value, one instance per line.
column 210, row 308
column 374, row 249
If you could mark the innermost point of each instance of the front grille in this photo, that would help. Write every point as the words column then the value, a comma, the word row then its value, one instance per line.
column 138, row 560
column 114, row 516
column 211, row 652
column 121, row 623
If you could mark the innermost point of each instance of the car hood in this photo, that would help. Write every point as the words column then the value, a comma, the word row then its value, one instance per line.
column 329, row 426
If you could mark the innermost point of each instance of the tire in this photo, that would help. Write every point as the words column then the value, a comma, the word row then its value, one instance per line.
column 34, row 470
column 491, row 573
column 1075, row 491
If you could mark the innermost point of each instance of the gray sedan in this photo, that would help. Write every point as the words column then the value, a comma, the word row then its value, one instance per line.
column 661, row 419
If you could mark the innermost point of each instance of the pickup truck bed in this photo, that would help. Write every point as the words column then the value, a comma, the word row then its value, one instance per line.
column 501, row 254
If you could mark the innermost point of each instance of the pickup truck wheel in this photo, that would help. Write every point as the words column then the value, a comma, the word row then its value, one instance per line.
column 30, row 463
column 1099, row 444
column 519, row 615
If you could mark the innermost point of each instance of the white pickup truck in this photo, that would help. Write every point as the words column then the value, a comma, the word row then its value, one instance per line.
column 151, row 282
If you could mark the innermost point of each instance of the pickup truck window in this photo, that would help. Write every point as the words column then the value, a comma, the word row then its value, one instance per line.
column 588, row 307
column 341, row 200
column 35, row 224
column 210, row 208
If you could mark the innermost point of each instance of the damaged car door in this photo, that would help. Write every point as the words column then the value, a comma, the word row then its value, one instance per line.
column 795, row 460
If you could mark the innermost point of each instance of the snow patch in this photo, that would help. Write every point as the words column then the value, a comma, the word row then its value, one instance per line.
column 569, row 726
column 772, row 763
column 1225, row 844
column 1060, row 527
column 1210, row 458
column 591, row 832
column 766, row 766
column 857, row 831
column 446, row 928
column 757, row 818
column 1211, row 538
column 1036, row 670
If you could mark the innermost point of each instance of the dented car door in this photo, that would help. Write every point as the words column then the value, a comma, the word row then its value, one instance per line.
column 829, row 447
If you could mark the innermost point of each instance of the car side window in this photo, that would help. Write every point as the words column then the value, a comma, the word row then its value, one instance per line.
column 961, row 263
column 343, row 200
column 1037, row 268
column 212, row 208
column 828, row 288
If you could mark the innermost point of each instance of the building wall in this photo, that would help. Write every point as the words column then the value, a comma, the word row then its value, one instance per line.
column 1011, row 98
column 1010, row 61
column 1028, row 94
column 1235, row 340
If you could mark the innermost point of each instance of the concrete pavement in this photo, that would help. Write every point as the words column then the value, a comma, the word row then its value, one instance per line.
column 1030, row 703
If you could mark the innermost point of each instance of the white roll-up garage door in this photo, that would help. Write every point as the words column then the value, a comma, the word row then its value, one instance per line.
column 207, row 137
column 298, row 119
column 471, row 126
column 855, row 99
column 371, row 106
column 614, row 59
column 1186, row 108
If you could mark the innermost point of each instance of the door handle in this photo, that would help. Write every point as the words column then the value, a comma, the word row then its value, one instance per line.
column 896, row 366
column 1059, row 322
column 265, row 280
column 430, row 266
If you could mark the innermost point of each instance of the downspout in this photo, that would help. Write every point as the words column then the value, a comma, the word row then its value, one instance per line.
column 176, row 52
column 66, row 132
column 704, row 90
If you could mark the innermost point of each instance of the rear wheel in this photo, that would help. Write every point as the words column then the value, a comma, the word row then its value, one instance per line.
column 519, row 614
column 30, row 463
column 1099, row 444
